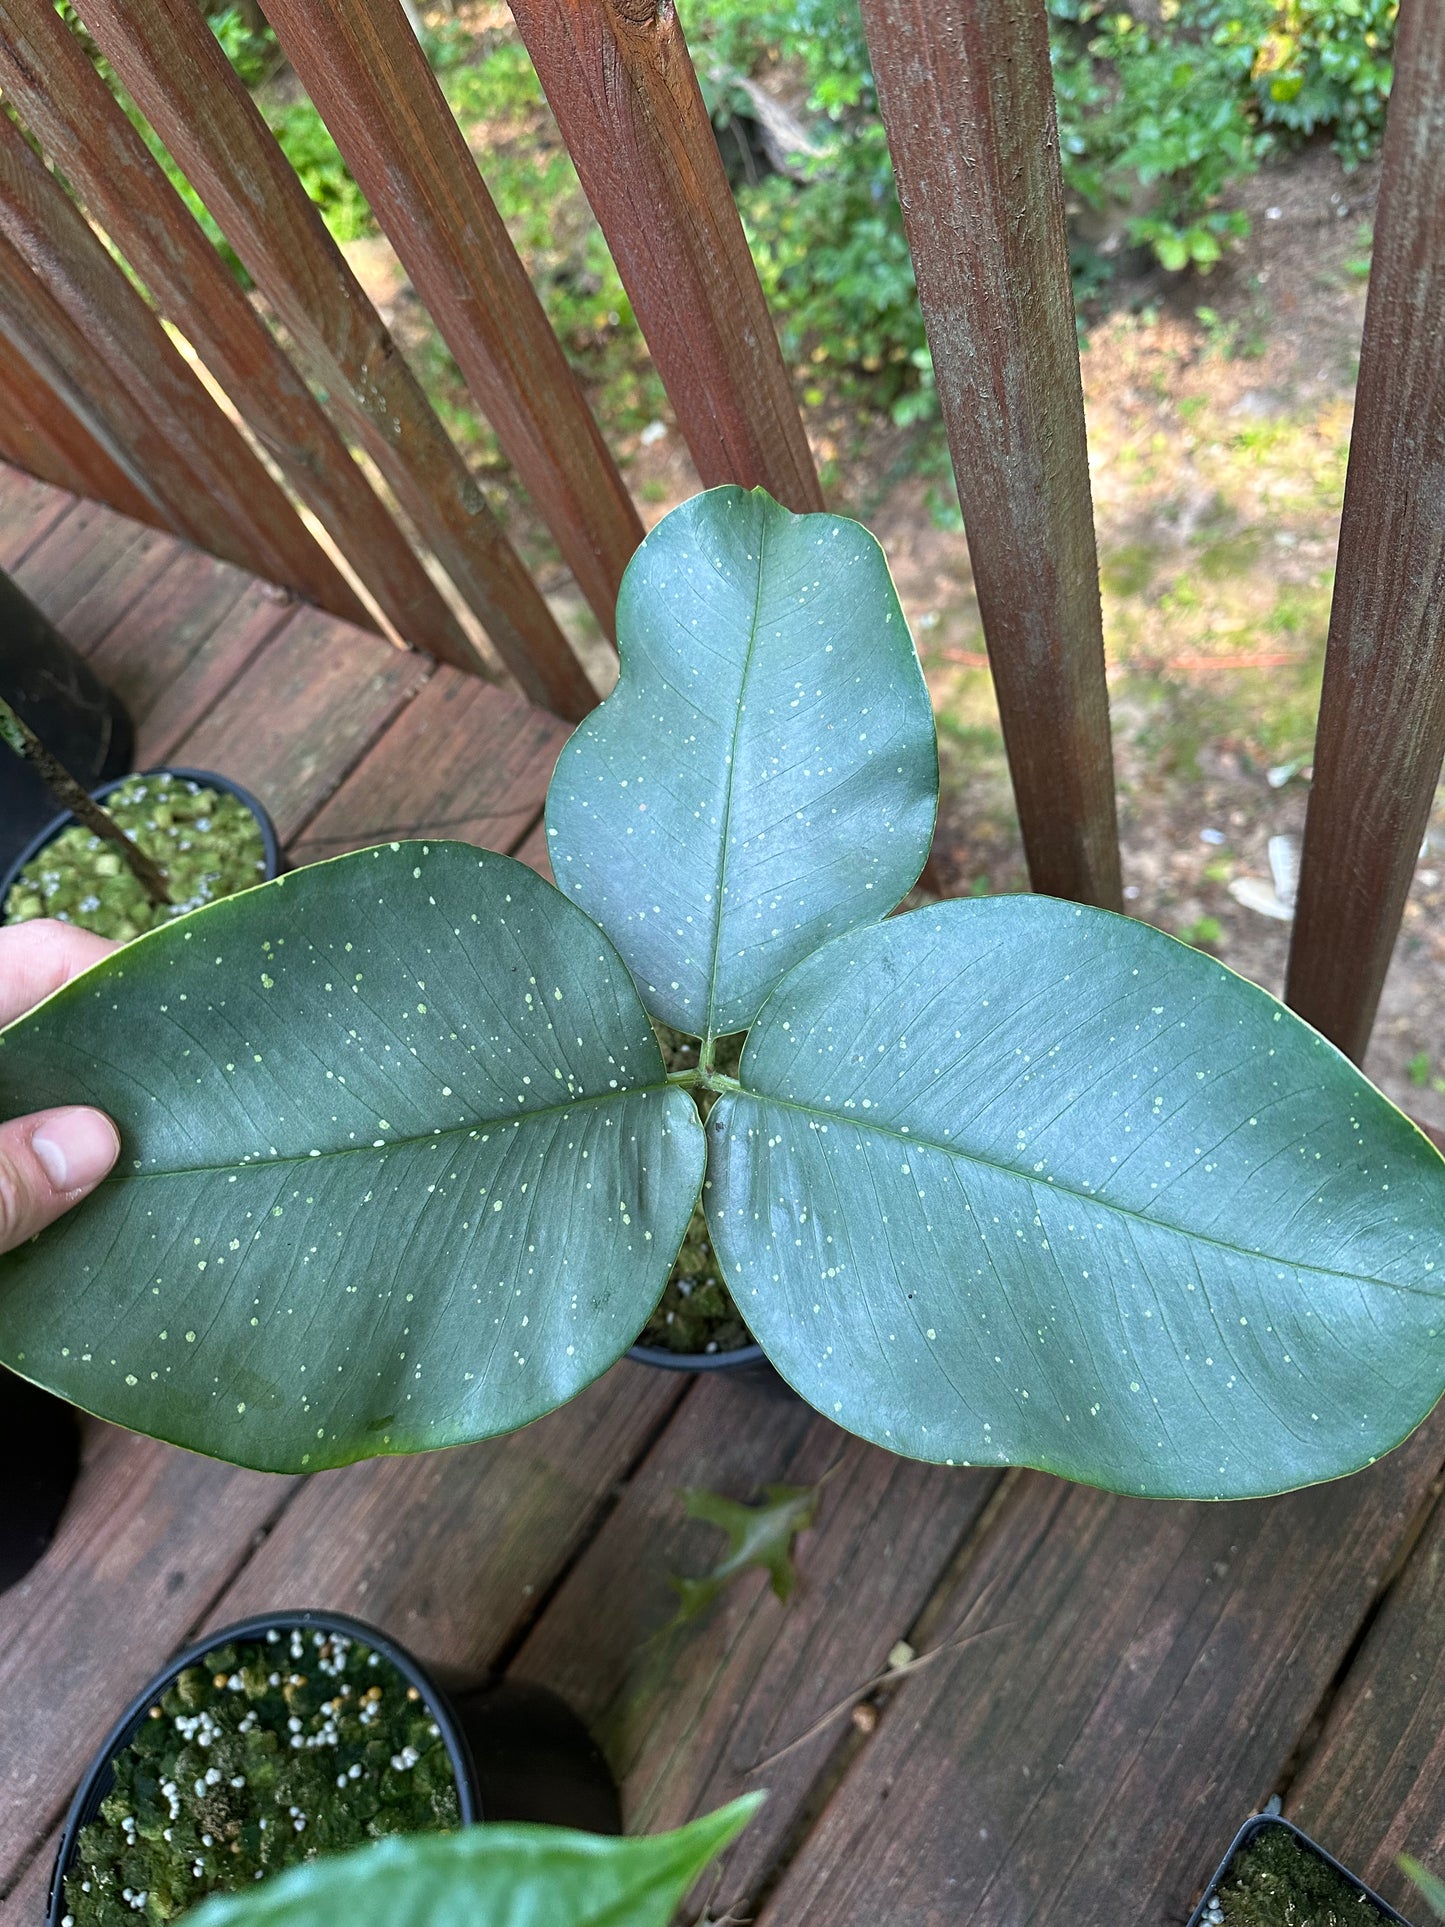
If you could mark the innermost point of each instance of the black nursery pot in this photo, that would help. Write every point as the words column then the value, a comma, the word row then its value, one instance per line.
column 57, row 693
column 270, row 843
column 1250, row 1831
column 751, row 1359
column 518, row 1751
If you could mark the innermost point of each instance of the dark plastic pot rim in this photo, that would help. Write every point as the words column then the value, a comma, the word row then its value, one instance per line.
column 1256, row 1824
column 99, row 1778
column 270, row 843
column 671, row 1361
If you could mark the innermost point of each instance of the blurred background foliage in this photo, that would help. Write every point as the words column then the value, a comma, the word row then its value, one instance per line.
column 1164, row 107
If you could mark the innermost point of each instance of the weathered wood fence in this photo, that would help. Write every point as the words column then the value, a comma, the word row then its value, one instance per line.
column 95, row 396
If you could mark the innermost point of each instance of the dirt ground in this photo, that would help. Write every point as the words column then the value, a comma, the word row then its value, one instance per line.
column 1219, row 413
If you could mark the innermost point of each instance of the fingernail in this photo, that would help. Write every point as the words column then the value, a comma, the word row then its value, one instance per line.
column 76, row 1148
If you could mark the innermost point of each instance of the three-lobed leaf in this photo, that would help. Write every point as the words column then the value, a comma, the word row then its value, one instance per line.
column 497, row 1875
column 764, row 775
column 1005, row 1181
column 400, row 1165
column 1013, row 1181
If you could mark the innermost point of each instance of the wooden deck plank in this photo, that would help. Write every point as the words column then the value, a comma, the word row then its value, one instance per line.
column 29, row 510
column 1373, row 1786
column 532, row 850
column 88, row 570
column 453, row 1551
column 304, row 714
column 464, row 760
column 178, row 648
column 1154, row 1669
column 24, row 1904
column 149, row 1537
column 685, row 1713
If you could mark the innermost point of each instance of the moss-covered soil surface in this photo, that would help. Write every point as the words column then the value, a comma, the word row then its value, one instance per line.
column 263, row 1755
column 205, row 842
column 1277, row 1882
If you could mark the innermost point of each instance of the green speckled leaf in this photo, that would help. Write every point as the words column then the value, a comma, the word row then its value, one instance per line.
column 1015, row 1182
column 400, row 1167
column 497, row 1875
column 765, row 774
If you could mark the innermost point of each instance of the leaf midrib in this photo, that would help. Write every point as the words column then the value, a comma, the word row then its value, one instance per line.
column 1091, row 1199
column 732, row 767
column 440, row 1136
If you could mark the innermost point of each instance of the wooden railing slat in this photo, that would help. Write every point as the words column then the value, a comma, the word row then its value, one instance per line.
column 115, row 351
column 1382, row 712
column 81, row 126
column 40, row 434
column 170, row 62
column 368, row 77
column 621, row 83
column 967, row 99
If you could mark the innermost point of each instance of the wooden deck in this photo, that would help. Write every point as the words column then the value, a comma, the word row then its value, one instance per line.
column 1117, row 1683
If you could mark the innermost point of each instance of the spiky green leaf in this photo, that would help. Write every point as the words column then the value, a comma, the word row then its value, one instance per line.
column 501, row 1875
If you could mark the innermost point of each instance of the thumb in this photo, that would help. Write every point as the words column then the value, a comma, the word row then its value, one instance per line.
column 47, row 1163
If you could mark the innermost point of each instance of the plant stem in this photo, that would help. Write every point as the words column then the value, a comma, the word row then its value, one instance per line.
column 74, row 797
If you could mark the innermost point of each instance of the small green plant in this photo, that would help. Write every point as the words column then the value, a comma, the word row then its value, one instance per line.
column 1002, row 1180
column 759, row 1535
column 263, row 1754
column 202, row 843
column 1418, row 1069
column 498, row 1872
column 96, row 821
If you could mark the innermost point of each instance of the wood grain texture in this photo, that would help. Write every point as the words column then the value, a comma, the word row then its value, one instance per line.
column 361, row 63
column 454, row 1551
column 687, row 1714
column 62, row 295
column 148, row 1538
column 532, row 851
column 304, row 714
column 621, row 83
column 81, row 126
column 967, row 98
column 1154, row 1666
column 461, row 761
column 23, row 1905
column 179, row 647
column 40, row 434
column 1382, row 709
column 1373, row 1785
column 90, row 567
column 29, row 511
column 172, row 64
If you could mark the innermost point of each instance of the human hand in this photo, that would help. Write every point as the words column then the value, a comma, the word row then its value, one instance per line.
column 48, row 1161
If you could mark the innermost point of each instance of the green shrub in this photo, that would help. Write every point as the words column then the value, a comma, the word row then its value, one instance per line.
column 1161, row 112
column 1326, row 63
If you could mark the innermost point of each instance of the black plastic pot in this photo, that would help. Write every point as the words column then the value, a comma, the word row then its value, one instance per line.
column 518, row 1752
column 56, row 692
column 746, row 1358
column 53, row 828
column 1255, row 1826
column 40, row 1446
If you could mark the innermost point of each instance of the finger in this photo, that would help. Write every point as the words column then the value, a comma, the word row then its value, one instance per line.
column 38, row 957
column 47, row 1163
